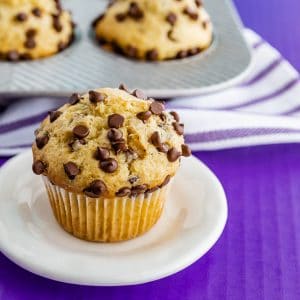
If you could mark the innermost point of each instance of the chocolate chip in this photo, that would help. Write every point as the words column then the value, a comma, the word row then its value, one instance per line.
column 179, row 128
column 21, row 17
column 119, row 146
column 155, row 139
column 109, row 165
column 139, row 94
column 191, row 13
column 61, row 46
column 173, row 154
column 194, row 51
column 166, row 181
column 95, row 22
column 170, row 36
column 75, row 98
column 123, row 87
column 130, row 155
column 56, row 23
column 204, row 24
column 42, row 140
column 38, row 167
column 76, row 144
column 30, row 33
column 131, row 51
column 102, row 153
column 96, row 189
column 163, row 148
column 182, row 54
column 114, row 134
column 186, row 151
column 133, row 179
column 198, row 3
column 37, row 12
column 71, row 170
column 12, row 55
column 156, row 107
column 175, row 115
column 125, row 191
column 81, row 131
column 144, row 115
column 96, row 97
column 54, row 115
column 138, row 189
column 171, row 18
column 25, row 56
column 30, row 43
column 120, row 17
column 135, row 12
column 115, row 121
column 152, row 55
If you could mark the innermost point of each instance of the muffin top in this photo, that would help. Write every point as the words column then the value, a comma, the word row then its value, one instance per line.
column 109, row 142
column 155, row 30
column 32, row 29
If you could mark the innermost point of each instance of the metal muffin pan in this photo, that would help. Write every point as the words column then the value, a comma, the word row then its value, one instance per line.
column 84, row 65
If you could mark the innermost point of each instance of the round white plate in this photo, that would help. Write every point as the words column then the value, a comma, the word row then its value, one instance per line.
column 193, row 220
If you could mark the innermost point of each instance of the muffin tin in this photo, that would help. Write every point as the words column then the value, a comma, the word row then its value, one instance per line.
column 84, row 65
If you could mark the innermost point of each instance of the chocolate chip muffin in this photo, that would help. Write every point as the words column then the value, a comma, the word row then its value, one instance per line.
column 31, row 29
column 107, row 158
column 154, row 30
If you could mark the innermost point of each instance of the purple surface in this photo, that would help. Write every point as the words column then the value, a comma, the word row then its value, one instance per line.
column 258, row 256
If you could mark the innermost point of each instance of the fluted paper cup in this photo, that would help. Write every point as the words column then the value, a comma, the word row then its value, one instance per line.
column 105, row 219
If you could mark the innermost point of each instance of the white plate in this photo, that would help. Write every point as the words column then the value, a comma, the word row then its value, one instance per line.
column 193, row 220
column 85, row 65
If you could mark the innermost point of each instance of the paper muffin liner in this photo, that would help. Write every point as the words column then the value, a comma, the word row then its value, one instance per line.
column 105, row 219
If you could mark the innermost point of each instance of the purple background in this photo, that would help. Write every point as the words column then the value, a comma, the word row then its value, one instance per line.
column 258, row 256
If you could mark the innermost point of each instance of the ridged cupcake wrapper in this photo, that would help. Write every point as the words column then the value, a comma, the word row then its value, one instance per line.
column 105, row 219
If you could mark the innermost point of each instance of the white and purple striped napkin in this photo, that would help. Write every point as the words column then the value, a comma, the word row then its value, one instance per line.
column 264, row 109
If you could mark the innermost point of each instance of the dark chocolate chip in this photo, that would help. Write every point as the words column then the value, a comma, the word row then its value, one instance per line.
column 81, row 131
column 119, row 146
column 96, row 97
column 152, row 54
column 30, row 43
column 61, row 46
column 96, row 189
column 155, row 139
column 204, row 24
column 182, row 54
column 144, row 115
column 135, row 12
column 109, row 165
column 191, row 13
column 170, row 36
column 102, row 153
column 173, row 154
column 95, row 22
column 42, row 140
column 120, row 17
column 131, row 51
column 56, row 23
column 114, row 134
column 115, row 121
column 139, row 94
column 133, row 179
column 37, row 12
column 163, row 148
column 125, row 191
column 75, row 98
column 186, row 151
column 30, row 33
column 71, row 170
column 198, row 3
column 123, row 87
column 175, row 116
column 25, row 56
column 54, row 115
column 21, row 17
column 194, row 51
column 38, row 167
column 13, row 55
column 76, row 144
column 166, row 181
column 179, row 128
column 138, row 189
column 156, row 107
column 171, row 18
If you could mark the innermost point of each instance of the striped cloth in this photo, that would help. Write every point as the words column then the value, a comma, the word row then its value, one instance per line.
column 264, row 109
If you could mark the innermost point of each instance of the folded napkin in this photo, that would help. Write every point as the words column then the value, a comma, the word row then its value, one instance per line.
column 264, row 109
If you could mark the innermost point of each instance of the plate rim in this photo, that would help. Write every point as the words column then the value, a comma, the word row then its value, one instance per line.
column 198, row 251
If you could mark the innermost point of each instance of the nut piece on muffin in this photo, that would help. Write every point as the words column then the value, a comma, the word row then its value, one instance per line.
column 31, row 29
column 154, row 30
column 106, row 158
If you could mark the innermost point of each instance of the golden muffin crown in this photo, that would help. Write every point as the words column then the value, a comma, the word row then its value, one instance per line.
column 156, row 29
column 31, row 29
column 109, row 142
